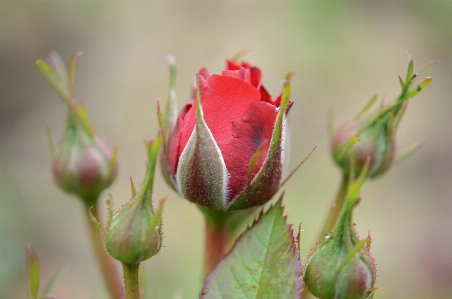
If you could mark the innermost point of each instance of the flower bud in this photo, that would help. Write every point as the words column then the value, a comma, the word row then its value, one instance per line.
column 224, row 151
column 134, row 234
column 374, row 135
column 341, row 267
column 84, row 163
column 373, row 141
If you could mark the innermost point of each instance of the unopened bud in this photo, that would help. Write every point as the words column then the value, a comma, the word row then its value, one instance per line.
column 134, row 233
column 374, row 135
column 84, row 163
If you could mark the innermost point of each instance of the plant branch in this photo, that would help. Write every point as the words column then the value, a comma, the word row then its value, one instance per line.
column 216, row 238
column 106, row 263
column 131, row 281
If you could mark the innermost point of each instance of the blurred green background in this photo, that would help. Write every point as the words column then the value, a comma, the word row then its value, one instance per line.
column 342, row 53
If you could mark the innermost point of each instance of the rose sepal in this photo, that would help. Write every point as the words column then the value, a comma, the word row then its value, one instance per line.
column 166, row 124
column 201, row 172
column 266, row 182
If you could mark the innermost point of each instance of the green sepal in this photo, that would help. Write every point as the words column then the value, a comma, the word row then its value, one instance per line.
column 271, row 170
column 33, row 277
column 201, row 172
column 368, row 106
column 95, row 221
column 33, row 273
column 164, row 164
column 406, row 153
column 166, row 124
column 264, row 263
column 171, row 104
column 52, row 281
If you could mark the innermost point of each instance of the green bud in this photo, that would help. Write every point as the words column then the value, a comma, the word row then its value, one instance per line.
column 373, row 135
column 341, row 267
column 134, row 233
column 372, row 141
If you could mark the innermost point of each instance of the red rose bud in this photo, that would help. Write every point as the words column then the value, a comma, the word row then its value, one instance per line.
column 224, row 151
column 134, row 234
column 374, row 135
column 85, row 162
column 341, row 266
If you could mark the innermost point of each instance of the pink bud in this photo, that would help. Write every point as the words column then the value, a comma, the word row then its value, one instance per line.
column 83, row 165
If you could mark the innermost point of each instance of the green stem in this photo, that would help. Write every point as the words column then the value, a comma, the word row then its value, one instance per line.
column 331, row 220
column 106, row 263
column 336, row 208
column 216, row 239
column 131, row 281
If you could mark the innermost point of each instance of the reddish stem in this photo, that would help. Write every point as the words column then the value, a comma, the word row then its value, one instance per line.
column 107, row 264
column 216, row 244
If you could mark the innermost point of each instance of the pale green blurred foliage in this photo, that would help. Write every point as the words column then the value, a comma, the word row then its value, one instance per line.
column 341, row 53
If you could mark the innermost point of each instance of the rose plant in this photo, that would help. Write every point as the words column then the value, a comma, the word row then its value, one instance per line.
column 225, row 152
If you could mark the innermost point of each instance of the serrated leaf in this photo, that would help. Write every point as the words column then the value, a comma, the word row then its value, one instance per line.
column 264, row 263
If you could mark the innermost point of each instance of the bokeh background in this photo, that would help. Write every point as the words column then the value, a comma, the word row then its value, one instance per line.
column 342, row 54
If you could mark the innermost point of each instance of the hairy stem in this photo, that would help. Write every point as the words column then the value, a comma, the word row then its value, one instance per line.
column 217, row 237
column 336, row 208
column 106, row 263
column 216, row 243
column 131, row 281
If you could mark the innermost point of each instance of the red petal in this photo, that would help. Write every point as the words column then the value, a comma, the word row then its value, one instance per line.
column 241, row 73
column 204, row 73
column 256, row 77
column 224, row 100
column 248, row 134
column 232, row 65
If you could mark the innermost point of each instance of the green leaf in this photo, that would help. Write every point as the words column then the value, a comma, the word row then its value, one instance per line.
column 33, row 273
column 264, row 263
